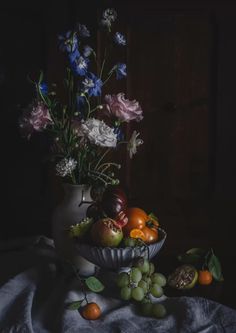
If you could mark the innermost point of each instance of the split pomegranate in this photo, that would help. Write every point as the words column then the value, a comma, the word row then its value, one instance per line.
column 105, row 232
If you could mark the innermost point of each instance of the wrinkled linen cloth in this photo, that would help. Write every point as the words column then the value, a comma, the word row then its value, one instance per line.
column 35, row 293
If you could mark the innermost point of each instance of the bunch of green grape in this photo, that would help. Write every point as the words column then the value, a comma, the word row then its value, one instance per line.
column 139, row 284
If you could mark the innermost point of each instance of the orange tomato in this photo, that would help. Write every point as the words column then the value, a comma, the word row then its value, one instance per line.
column 150, row 234
column 137, row 219
column 204, row 277
column 91, row 311
column 137, row 233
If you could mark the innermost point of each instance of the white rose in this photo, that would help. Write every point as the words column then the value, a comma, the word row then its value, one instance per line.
column 99, row 133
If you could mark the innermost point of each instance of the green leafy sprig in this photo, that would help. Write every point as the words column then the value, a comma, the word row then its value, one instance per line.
column 203, row 259
column 91, row 283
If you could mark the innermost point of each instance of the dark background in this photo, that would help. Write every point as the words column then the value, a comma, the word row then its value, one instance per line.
column 181, row 60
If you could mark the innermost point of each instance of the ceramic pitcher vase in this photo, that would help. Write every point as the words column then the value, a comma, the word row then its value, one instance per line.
column 69, row 212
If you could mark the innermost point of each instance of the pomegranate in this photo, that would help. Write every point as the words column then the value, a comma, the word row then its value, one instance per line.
column 106, row 232
column 114, row 201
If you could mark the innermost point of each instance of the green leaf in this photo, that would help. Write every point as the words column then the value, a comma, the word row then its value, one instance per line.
column 189, row 258
column 94, row 284
column 214, row 267
column 196, row 251
column 41, row 77
column 153, row 216
column 75, row 305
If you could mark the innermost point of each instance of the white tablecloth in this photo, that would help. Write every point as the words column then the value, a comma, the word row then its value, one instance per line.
column 34, row 293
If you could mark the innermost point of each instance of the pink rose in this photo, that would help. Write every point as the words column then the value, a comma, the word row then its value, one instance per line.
column 35, row 119
column 122, row 108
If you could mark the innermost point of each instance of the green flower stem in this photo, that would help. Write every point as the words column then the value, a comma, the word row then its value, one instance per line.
column 101, row 158
column 103, row 63
column 89, row 107
column 109, row 165
column 96, row 177
column 101, row 174
column 73, row 177
column 46, row 103
column 94, row 109
column 103, row 167
column 122, row 142
column 101, row 179
column 107, row 79
column 81, row 283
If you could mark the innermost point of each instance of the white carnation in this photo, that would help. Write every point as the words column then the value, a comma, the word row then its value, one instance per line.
column 99, row 133
column 65, row 167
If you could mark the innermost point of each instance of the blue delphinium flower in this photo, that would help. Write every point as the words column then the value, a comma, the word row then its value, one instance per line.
column 120, row 71
column 68, row 42
column 43, row 87
column 73, row 55
column 92, row 85
column 119, row 133
column 83, row 30
column 87, row 51
column 80, row 101
column 119, row 39
column 79, row 65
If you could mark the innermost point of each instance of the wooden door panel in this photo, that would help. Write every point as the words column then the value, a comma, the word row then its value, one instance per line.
column 168, row 64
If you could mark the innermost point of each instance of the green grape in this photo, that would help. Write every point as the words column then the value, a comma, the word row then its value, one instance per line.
column 135, row 274
column 129, row 242
column 159, row 279
column 146, row 300
column 148, row 280
column 146, row 309
column 143, row 284
column 122, row 280
column 158, row 310
column 143, row 265
column 125, row 293
column 151, row 268
column 156, row 290
column 137, row 294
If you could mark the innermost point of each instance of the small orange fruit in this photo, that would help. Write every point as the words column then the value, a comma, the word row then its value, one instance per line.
column 91, row 311
column 137, row 233
column 204, row 277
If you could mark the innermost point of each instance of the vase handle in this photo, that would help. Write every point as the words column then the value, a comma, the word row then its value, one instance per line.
column 84, row 201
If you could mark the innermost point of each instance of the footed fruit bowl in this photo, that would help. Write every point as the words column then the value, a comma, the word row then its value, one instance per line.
column 118, row 257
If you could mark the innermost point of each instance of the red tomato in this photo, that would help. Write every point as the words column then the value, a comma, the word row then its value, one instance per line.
column 137, row 219
column 151, row 235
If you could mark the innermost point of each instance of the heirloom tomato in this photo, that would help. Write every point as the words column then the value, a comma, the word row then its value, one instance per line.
column 114, row 201
column 139, row 220
column 150, row 234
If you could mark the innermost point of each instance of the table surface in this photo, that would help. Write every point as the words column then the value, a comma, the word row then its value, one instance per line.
column 222, row 292
column 35, row 293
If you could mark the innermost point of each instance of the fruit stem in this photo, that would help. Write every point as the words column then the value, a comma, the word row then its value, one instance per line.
column 81, row 283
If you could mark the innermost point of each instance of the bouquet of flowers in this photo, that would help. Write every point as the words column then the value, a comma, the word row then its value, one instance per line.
column 85, row 127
